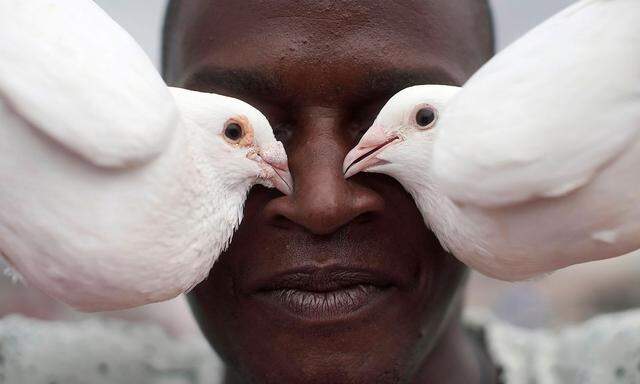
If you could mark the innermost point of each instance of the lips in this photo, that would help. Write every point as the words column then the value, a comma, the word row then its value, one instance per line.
column 324, row 294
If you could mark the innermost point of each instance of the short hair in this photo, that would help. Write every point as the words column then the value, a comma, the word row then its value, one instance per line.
column 484, row 27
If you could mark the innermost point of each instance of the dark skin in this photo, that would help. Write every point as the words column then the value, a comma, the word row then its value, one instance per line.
column 320, row 71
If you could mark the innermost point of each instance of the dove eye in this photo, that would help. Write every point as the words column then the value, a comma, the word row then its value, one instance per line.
column 425, row 117
column 233, row 132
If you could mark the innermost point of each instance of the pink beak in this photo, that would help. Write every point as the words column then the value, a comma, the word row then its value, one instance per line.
column 363, row 156
column 275, row 157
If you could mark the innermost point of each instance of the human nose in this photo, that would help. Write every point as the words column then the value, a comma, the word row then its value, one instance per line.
column 322, row 200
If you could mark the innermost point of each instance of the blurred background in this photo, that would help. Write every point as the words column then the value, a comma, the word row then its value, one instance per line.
column 570, row 295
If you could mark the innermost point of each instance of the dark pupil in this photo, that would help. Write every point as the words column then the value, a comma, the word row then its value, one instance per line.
column 233, row 131
column 425, row 116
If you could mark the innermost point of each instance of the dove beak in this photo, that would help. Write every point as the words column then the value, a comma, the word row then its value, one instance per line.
column 364, row 155
column 282, row 178
column 274, row 159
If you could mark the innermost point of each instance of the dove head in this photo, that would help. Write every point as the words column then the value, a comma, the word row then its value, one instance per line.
column 237, row 139
column 402, row 134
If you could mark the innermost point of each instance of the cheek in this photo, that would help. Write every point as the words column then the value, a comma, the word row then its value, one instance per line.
column 206, row 301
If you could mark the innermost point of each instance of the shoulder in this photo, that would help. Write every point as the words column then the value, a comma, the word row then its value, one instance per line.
column 603, row 350
column 99, row 351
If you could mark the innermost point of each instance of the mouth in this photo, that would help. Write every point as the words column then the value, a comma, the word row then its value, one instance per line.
column 325, row 293
column 365, row 155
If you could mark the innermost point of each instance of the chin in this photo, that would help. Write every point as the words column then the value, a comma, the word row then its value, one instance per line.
column 375, row 340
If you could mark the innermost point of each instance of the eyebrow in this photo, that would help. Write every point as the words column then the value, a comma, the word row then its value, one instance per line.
column 389, row 82
column 238, row 81
column 377, row 83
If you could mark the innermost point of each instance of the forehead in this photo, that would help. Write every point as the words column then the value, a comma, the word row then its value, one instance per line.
column 327, row 46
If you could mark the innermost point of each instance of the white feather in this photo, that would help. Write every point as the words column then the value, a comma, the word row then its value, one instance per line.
column 66, row 68
column 116, row 191
column 543, row 144
column 533, row 165
column 549, row 113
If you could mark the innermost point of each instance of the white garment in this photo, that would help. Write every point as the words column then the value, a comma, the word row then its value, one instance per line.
column 605, row 350
column 100, row 352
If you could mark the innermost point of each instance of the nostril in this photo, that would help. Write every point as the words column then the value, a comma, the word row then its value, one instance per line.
column 365, row 218
column 281, row 221
column 279, row 212
column 324, row 210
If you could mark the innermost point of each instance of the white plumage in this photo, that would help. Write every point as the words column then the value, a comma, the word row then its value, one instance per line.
column 116, row 190
column 534, row 164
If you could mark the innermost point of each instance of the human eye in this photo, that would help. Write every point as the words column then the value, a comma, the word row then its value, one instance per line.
column 363, row 118
column 283, row 131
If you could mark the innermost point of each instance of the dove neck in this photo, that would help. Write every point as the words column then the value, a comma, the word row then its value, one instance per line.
column 220, row 196
column 459, row 233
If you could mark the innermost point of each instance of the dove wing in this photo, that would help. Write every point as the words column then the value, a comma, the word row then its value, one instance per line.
column 78, row 78
column 546, row 115
column 97, row 207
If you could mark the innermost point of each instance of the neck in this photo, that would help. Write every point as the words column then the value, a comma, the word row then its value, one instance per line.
column 452, row 354
column 457, row 359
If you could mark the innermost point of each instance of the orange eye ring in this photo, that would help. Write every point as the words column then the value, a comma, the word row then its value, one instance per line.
column 233, row 132
column 238, row 131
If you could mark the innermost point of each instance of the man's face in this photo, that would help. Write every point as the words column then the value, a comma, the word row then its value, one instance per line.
column 341, row 281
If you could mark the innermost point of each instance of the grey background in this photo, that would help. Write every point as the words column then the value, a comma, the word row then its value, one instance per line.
column 569, row 295
column 143, row 19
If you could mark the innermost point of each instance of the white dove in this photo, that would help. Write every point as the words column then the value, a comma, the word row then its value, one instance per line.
column 533, row 165
column 116, row 190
